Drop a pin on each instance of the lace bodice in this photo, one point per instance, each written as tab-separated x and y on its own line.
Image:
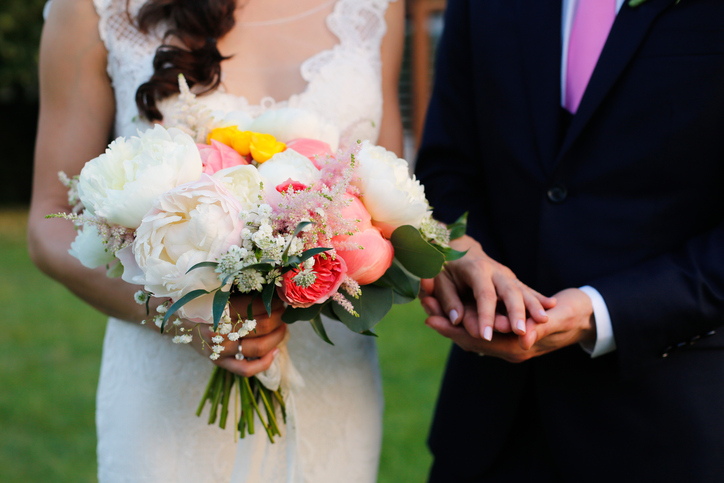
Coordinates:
149	388
343	83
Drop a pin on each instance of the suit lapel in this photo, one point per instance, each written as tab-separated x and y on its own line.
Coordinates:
626	35
540	43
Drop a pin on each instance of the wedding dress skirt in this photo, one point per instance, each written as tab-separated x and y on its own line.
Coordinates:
150	389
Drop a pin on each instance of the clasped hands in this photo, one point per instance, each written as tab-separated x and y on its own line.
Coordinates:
481	306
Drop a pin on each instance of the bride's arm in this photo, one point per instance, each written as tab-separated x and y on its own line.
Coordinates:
76	115
392	49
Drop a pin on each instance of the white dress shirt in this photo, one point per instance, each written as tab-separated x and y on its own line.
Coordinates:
605	341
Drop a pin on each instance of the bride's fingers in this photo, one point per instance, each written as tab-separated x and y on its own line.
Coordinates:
510	292
446	292
246	367
257	347
266	325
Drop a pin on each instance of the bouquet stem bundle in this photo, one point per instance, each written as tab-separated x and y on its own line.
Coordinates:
251	393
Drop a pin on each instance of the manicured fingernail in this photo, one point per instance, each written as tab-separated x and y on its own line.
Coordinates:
521	326
454	316
543	313
276	352
488	333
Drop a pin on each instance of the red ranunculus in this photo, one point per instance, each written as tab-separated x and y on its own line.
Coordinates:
330	275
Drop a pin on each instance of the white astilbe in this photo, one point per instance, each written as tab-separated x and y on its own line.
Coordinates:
73	197
188	114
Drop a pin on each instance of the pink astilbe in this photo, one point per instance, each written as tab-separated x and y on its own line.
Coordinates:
321	203
345	303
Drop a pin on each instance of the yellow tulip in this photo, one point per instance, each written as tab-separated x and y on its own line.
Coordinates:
264	146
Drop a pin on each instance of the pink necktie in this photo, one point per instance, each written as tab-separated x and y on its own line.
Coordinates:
591	26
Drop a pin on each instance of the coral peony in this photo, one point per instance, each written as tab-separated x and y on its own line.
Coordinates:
330	272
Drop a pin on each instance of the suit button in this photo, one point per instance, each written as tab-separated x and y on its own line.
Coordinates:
557	194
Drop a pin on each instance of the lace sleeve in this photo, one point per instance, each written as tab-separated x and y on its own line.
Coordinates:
359	23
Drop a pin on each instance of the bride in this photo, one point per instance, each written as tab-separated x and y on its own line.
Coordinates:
102	73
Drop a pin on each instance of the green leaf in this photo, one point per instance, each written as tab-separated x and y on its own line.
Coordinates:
221	298
372	305
400	280
458	228
194	294
318	327
301	226
307	254
202	265
328	312
369	333
400	299
292	314
449	254
635	3
267	294
414	253
250	307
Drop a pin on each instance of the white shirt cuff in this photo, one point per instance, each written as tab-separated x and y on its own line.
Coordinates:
605	342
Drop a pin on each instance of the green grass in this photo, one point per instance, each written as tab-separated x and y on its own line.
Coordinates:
50	348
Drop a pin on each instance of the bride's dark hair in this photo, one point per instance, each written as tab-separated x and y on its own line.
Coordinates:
197	24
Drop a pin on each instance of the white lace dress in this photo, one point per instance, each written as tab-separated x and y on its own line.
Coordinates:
149	388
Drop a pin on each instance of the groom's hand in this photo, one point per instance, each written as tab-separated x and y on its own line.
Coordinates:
570	322
488	283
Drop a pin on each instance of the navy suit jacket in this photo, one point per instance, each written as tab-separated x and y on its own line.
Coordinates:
628	199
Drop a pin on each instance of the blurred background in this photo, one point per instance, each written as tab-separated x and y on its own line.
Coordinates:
50	342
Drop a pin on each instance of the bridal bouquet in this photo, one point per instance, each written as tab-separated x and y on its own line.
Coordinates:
216	204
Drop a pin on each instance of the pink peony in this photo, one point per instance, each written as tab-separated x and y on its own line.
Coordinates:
315	150
330	275
218	156
367	264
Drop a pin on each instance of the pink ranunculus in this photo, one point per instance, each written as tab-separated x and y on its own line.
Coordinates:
315	150
367	264
330	271
218	156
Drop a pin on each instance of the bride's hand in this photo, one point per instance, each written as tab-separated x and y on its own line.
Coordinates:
491	284
259	347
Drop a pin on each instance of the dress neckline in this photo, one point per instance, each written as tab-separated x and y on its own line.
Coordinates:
269	102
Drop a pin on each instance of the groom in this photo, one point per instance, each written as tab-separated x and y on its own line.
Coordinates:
588	147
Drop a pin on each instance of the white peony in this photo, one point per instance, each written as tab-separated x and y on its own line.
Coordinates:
121	184
287	124
392	197
286	165
88	247
195	222
244	182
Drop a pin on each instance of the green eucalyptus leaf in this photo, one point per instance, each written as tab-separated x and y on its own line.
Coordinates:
221	298
292	314
194	294
372	305
318	327
458	228
400	280
328	312
202	265
400	299
369	333
414	253
452	255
